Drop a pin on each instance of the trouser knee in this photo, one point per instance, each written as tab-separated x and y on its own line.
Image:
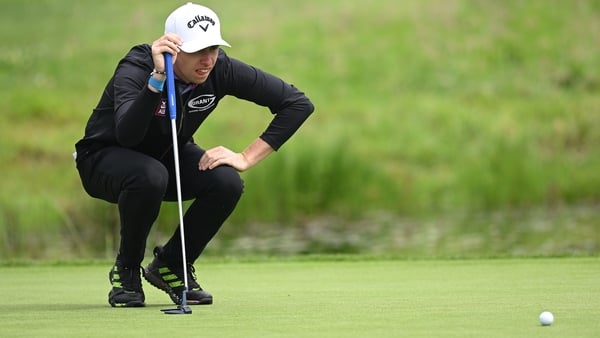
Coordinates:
227	185
152	180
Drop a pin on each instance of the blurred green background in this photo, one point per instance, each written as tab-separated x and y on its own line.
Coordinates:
442	128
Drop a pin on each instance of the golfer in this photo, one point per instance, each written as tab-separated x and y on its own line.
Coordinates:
126	154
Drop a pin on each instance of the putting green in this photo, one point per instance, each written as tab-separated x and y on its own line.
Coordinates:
318	298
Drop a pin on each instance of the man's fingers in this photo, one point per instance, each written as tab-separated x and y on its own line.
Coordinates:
215	157
208	160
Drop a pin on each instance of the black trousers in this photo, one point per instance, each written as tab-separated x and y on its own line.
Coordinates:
139	184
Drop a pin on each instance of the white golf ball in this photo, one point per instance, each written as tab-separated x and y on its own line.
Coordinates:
546	318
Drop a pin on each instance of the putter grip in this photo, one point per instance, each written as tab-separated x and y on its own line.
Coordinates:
170	86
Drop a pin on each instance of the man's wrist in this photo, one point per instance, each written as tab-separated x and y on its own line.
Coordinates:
160	76
157	84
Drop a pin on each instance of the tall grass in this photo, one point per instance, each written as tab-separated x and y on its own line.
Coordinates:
424	110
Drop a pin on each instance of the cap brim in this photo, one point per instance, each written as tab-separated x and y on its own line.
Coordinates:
194	46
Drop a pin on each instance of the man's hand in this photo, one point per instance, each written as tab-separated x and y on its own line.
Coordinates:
243	161
168	43
220	155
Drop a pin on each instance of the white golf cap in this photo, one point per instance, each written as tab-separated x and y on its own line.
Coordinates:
198	26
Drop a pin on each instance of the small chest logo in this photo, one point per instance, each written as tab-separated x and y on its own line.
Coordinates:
201	103
161	110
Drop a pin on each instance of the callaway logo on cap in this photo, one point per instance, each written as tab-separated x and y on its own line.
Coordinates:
198	26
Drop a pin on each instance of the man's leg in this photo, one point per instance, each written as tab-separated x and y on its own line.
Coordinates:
137	184
216	194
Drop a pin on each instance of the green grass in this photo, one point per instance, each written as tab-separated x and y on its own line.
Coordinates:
330	296
424	110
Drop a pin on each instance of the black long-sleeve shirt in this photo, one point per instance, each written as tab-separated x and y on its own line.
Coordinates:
130	115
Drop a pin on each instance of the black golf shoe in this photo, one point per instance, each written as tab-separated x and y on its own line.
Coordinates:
126	287
170	279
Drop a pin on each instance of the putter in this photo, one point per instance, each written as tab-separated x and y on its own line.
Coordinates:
183	308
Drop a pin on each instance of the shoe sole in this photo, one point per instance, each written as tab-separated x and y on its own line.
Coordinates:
133	303
128	304
160	284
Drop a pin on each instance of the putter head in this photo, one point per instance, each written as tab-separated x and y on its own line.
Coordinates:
180	310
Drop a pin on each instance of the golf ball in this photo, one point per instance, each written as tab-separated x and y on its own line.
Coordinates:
546	318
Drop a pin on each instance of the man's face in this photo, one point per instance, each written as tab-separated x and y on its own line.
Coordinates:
195	67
